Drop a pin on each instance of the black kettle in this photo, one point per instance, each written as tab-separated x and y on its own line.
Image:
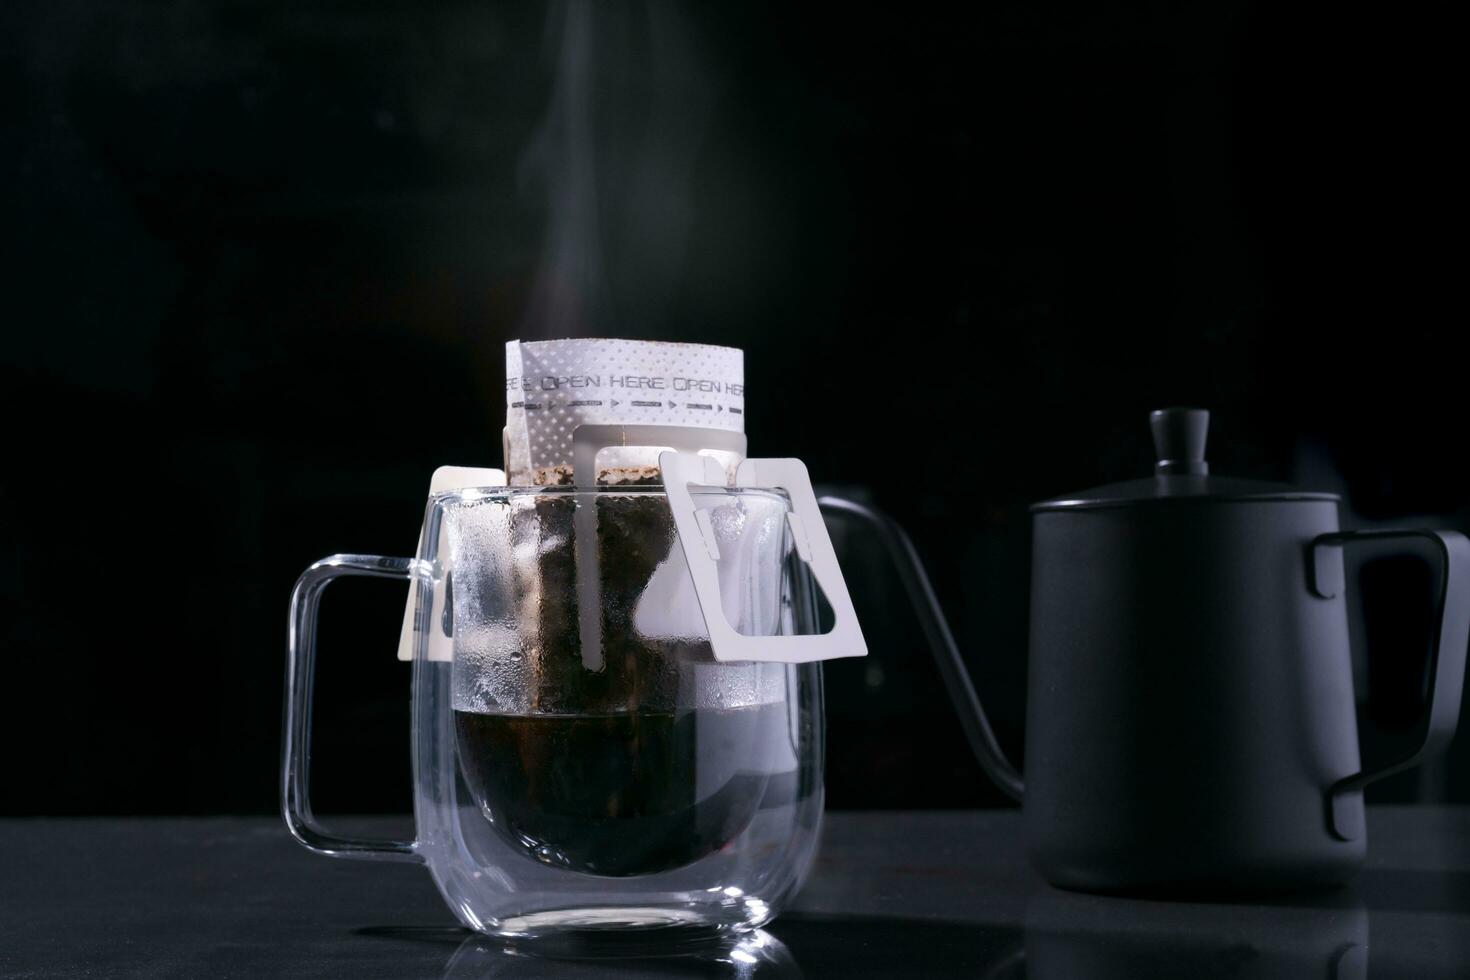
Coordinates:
1190	720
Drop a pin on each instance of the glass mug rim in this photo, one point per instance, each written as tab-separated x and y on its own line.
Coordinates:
477	494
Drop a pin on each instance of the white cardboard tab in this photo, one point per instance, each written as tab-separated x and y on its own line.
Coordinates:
682	470
440	647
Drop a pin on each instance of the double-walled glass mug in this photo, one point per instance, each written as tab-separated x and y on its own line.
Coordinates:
581	759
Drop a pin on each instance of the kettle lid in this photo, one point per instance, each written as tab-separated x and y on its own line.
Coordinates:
1181	472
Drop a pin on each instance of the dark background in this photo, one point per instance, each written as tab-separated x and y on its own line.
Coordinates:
263	259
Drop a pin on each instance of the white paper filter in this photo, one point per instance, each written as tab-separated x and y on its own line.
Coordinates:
554	386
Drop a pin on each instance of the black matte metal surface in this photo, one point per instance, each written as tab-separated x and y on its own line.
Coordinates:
893	894
1191	700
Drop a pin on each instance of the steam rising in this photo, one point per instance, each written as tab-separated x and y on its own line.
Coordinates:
613	161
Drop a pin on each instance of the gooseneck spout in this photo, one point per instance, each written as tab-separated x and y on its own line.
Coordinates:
941	641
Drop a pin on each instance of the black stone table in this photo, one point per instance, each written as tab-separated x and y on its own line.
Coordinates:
892	895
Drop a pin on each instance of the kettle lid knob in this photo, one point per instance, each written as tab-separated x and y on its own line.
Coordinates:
1179	441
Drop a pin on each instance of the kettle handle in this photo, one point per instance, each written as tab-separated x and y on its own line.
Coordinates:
941	641
1446	655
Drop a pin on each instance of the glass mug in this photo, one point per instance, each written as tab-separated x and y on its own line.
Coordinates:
581	761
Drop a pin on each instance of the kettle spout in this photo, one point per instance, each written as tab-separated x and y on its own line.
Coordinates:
940	639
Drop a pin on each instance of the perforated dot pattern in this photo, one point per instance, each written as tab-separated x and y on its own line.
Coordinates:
553	386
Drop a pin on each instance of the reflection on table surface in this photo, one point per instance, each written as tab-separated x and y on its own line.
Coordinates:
1056	935
934	894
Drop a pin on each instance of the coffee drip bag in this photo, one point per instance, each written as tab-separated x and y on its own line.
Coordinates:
594	726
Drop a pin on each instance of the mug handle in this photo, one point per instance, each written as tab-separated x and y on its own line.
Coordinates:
1446	656
296	741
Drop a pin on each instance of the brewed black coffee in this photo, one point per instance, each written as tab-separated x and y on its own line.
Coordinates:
620	794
